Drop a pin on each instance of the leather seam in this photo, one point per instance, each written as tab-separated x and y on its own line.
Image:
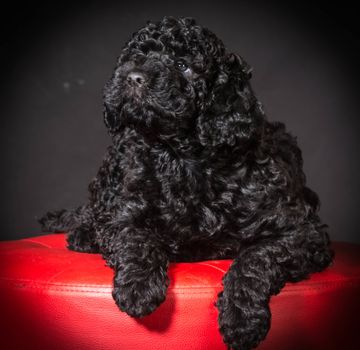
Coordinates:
42	244
19	284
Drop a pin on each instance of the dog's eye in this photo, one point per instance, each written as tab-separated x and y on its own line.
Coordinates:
181	65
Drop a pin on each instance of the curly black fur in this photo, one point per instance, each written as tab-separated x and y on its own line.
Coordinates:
196	171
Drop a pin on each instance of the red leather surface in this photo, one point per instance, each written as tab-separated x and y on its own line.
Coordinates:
52	298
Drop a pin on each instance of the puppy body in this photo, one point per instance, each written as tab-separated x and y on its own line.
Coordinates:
195	172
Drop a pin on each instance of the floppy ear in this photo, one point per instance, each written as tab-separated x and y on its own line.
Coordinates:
231	115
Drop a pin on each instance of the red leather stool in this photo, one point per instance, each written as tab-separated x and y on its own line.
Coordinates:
53	298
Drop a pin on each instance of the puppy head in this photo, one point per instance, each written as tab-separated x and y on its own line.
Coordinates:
175	77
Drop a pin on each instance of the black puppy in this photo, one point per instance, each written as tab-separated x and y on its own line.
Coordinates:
195	172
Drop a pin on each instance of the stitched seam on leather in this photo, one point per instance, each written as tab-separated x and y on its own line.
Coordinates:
323	285
77	287
108	290
214	267
339	280
39	243
92	289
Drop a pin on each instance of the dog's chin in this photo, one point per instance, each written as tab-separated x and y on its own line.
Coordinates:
142	111
138	113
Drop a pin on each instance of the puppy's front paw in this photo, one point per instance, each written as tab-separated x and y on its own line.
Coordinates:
81	240
242	323
140	297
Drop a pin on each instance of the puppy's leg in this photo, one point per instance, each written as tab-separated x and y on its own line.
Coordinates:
62	220
82	239
260	271
140	266
78	223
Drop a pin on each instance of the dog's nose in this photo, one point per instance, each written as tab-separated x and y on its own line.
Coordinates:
136	78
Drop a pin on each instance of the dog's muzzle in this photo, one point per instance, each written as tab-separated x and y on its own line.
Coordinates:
136	79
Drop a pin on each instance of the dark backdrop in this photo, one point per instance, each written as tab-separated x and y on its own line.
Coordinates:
55	58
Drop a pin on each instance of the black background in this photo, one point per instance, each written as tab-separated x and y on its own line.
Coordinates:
56	57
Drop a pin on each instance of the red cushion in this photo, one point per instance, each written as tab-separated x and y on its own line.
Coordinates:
53	298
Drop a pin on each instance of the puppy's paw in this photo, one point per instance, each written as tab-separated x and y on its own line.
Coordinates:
242	323
140	297
80	240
